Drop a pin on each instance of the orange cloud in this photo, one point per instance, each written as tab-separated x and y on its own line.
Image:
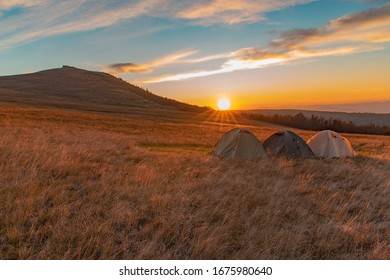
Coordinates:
147	67
234	11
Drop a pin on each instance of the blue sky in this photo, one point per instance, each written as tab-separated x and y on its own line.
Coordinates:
280	53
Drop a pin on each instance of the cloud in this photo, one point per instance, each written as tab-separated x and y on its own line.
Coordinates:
40	19
241	61
54	17
353	33
147	67
183	57
6	5
9	4
206	58
229	66
234	11
370	26
129	67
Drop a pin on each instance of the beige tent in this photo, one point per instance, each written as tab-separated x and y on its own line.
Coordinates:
329	144
288	144
239	143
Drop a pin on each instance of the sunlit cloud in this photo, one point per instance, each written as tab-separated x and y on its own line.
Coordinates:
6	5
247	64
9	4
350	34
52	17
206	58
229	66
41	19
234	11
147	67
369	26
184	57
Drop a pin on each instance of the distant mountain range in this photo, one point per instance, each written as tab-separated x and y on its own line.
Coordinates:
357	118
379	107
73	88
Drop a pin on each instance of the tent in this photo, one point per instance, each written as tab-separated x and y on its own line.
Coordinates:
329	144
288	144
239	143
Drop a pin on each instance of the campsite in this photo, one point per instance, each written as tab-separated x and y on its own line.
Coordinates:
234	131
84	185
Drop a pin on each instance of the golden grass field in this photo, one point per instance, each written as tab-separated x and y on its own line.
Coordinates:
79	185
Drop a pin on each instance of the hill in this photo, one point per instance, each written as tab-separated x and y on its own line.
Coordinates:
73	88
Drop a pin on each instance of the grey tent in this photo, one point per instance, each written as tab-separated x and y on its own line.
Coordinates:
288	144
239	143
329	144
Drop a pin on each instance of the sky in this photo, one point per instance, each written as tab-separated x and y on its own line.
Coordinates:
258	54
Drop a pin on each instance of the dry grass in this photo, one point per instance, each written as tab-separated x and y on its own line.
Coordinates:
83	186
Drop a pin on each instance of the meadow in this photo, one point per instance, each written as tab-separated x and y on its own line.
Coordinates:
77	185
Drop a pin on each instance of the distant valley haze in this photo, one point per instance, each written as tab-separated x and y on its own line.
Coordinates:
378	107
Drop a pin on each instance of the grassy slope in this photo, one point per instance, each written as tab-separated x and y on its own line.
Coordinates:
73	88
85	186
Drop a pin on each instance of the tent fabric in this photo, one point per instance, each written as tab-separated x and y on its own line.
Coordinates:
239	143
288	144
330	144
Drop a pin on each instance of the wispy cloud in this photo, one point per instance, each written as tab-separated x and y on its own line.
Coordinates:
234	11
42	19
46	18
147	67
9	4
229	66
369	26
206	58
183	57
6	5
353	33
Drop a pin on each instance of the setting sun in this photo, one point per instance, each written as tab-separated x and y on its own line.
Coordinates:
223	104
